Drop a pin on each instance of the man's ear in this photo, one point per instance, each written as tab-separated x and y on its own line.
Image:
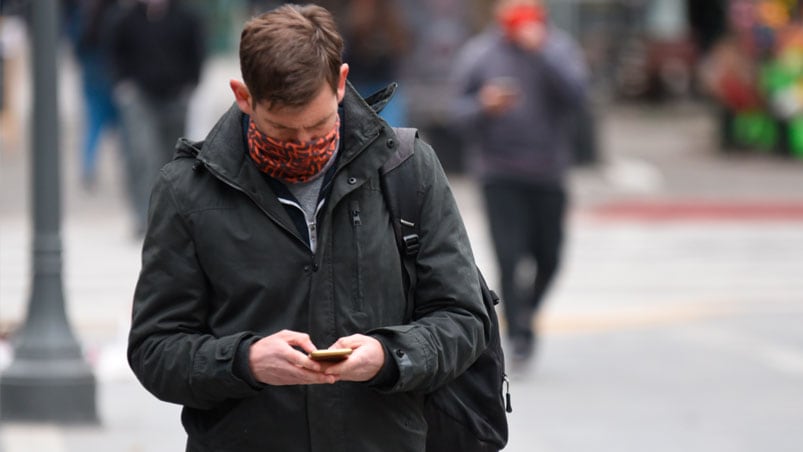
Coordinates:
242	96
341	84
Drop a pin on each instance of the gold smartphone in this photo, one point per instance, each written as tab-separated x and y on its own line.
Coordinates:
330	355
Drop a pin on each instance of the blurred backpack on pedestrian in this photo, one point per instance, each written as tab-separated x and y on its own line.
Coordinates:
468	414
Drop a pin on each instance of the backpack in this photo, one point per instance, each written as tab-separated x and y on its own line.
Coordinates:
469	413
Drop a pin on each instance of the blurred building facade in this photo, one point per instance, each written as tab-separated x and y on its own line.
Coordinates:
637	51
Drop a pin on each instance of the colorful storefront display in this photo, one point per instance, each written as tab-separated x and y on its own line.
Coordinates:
756	73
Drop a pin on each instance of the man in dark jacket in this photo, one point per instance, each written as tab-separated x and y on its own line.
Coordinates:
270	239
520	85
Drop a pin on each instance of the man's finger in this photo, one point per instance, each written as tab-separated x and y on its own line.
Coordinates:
309	377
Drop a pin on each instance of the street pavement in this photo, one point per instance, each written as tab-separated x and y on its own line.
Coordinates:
674	324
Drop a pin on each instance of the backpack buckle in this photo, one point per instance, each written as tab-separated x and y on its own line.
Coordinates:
411	244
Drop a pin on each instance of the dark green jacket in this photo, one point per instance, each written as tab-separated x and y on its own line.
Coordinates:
223	263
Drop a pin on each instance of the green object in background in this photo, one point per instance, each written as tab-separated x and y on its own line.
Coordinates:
796	136
782	71
222	22
755	129
776	76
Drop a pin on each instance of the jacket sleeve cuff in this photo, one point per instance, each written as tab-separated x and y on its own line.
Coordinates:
241	367
388	375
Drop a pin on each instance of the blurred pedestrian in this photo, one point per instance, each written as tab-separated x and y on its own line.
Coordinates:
271	238
156	52
520	84
12	45
86	23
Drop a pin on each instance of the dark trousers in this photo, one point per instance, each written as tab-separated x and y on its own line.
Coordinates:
150	128
525	221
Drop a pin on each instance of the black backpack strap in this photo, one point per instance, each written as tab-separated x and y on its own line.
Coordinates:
399	187
470	403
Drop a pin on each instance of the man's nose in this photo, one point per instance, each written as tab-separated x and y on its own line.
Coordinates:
304	136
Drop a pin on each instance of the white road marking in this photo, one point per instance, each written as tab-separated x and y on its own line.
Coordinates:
29	438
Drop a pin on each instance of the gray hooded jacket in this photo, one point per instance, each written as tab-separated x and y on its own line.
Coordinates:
532	141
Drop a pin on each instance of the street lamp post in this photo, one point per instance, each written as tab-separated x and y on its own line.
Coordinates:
48	380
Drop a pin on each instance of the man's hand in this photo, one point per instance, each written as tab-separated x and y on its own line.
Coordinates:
275	361
499	95
366	359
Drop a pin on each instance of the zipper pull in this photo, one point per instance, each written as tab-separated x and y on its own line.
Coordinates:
508	407
355	214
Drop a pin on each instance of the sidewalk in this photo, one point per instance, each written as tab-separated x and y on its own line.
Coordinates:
657	334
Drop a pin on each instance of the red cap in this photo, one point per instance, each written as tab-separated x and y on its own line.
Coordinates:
515	16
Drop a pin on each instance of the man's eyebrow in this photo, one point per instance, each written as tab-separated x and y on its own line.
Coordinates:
276	124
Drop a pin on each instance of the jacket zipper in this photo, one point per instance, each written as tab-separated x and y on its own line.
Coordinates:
355	214
312	226
248	195
356	223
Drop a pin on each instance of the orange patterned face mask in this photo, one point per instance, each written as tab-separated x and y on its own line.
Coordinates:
291	161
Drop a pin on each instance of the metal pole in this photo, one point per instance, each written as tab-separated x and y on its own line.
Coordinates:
48	380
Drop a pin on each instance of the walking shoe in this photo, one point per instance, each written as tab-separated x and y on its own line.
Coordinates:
523	348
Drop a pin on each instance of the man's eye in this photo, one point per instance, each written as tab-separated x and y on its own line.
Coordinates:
320	131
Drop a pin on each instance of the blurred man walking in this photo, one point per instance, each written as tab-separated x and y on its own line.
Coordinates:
519	85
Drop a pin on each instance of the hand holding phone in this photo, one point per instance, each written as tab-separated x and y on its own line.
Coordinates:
499	94
330	355
363	363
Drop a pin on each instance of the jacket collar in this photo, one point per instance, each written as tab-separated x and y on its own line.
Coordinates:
223	152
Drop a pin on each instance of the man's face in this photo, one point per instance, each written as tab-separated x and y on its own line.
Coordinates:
304	123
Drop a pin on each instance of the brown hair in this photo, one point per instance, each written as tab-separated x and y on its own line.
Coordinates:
286	53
